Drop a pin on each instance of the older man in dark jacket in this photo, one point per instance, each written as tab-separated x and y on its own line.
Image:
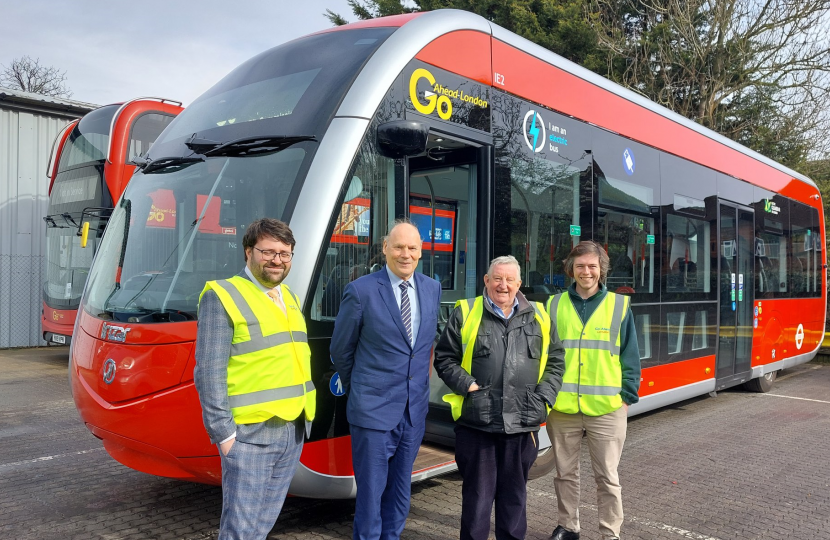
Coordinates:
500	356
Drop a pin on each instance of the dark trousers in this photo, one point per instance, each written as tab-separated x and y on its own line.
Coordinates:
383	472
494	468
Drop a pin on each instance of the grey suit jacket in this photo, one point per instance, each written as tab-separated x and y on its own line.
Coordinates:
213	348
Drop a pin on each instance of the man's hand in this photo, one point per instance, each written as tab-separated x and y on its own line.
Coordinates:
473	387
226	446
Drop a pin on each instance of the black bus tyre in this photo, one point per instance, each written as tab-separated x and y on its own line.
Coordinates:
762	384
543	464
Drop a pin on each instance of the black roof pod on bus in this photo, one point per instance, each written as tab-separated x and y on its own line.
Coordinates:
402	138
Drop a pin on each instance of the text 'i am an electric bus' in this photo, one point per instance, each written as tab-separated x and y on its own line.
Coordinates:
492	146
88	171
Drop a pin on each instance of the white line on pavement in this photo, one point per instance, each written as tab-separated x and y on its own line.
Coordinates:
668	528
48	458
648	523
799	398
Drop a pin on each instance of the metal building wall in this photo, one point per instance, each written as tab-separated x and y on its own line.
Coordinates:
25	143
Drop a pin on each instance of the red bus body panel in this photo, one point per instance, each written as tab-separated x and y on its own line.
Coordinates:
58	321
149	417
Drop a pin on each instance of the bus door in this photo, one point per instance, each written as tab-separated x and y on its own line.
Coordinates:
448	201
736	240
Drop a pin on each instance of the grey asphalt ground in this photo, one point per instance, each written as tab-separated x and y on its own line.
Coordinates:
737	466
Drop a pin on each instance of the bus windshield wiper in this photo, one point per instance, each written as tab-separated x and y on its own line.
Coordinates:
200	146
163	163
67	217
263	144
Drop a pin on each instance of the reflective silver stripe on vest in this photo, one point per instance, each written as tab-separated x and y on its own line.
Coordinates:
258	342
554	307
595	344
616	323
591	390
470	302
274	394
266	342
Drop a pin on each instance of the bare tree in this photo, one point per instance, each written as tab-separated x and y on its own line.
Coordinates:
28	75
757	71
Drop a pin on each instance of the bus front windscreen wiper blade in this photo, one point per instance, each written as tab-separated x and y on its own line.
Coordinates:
165	162
253	146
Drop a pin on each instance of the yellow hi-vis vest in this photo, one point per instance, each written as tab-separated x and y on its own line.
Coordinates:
472	309
269	370
593	372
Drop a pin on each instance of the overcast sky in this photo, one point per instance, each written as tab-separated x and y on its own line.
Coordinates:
116	50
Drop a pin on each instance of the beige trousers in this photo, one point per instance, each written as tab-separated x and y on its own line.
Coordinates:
606	436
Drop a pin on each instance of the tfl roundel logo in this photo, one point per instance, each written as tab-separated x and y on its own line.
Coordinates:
534	130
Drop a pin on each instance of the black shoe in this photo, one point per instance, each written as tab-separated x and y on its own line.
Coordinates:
561	533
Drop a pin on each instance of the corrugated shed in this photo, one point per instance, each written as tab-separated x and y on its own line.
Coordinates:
51	106
25	143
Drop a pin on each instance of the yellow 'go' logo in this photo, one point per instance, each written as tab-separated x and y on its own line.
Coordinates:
443	103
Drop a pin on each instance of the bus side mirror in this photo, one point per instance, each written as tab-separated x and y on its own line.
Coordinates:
402	138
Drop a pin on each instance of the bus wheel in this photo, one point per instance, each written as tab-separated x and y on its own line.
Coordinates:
543	464
762	384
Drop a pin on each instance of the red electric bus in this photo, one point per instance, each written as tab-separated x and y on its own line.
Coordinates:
88	171
493	146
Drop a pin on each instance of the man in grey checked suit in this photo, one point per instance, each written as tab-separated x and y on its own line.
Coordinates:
258	458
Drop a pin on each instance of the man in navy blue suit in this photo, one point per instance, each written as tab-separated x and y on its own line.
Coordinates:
381	347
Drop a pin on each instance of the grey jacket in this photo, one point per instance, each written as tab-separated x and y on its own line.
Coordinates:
213	349
505	365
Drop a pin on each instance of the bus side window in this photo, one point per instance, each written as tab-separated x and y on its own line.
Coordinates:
645	321
144	131
686	331
803	257
627	189
772	215
542	209
689	265
362	219
629	241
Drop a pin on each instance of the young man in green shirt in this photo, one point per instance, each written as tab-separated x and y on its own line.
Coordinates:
602	378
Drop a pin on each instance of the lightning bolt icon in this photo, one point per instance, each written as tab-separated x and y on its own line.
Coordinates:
535	131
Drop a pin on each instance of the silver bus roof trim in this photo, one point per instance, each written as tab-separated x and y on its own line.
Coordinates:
374	80
318	198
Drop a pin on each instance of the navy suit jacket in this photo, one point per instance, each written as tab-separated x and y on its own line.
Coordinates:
379	368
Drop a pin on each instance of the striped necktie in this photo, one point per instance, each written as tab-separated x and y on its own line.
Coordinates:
406	310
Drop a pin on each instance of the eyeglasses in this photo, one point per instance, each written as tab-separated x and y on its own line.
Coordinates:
270	254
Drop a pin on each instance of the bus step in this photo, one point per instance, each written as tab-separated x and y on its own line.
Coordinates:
433	460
